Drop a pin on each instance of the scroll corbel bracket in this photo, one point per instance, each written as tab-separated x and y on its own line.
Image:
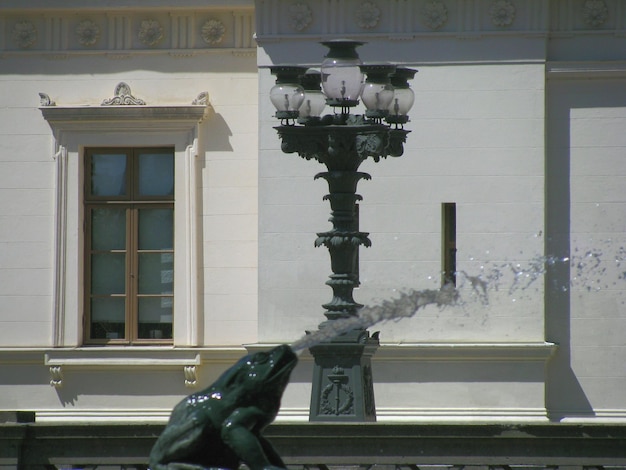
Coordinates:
56	376
191	376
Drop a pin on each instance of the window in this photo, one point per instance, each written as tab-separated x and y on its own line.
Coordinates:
129	244
448	213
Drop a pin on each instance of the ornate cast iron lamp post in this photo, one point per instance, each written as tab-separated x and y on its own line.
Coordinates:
342	378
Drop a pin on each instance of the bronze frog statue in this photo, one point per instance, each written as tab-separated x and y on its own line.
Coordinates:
220	426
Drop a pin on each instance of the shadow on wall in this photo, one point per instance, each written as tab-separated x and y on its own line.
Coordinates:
565	395
215	134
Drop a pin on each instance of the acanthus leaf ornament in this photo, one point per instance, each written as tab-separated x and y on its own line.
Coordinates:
123	97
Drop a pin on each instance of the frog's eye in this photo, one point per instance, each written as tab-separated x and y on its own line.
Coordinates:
261	358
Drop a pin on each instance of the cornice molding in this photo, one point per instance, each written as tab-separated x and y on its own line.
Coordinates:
433	18
62	33
585	70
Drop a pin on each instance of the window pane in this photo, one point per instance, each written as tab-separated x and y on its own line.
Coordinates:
107	273
155	317
108	174
108	229
156	229
156	174
107	318
156	273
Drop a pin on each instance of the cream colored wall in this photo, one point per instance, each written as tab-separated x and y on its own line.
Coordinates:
586	147
228	180
123	384
483	133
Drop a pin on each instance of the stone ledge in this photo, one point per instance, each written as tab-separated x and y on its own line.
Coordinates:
317	444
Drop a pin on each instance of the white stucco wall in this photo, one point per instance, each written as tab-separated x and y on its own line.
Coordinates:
116	383
483	136
519	124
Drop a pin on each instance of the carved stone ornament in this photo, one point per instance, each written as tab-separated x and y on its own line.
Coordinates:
434	14
202	99
191	376
212	31
300	16
368	15
595	13
24	34
44	100
337	396
123	96
150	32
56	376
502	13
87	32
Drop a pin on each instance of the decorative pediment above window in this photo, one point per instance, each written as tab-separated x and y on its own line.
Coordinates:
125	111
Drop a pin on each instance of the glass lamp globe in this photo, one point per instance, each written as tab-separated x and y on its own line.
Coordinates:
314	100
342	79
377	92
287	95
403	98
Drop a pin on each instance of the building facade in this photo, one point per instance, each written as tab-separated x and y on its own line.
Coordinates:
152	231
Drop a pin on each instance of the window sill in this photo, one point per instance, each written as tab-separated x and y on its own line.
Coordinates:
59	360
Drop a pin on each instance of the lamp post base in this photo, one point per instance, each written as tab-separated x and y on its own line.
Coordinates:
343	389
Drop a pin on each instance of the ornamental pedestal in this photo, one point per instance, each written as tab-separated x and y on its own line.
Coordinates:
343	389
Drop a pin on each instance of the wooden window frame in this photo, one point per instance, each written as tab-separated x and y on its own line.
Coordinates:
132	202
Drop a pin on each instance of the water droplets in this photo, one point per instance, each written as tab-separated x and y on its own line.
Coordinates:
582	270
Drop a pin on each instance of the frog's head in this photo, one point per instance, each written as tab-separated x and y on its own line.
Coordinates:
263	370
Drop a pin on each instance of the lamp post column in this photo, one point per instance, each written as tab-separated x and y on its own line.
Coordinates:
342	388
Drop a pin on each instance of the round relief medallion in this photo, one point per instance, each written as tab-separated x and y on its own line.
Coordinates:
434	14
595	13
368	15
24	34
87	32
300	16
502	13
212	31
150	32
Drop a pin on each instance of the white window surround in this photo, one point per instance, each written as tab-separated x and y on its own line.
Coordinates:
78	127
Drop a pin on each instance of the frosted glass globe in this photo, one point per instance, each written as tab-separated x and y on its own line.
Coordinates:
287	97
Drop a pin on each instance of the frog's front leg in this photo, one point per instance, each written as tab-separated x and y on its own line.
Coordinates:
238	433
